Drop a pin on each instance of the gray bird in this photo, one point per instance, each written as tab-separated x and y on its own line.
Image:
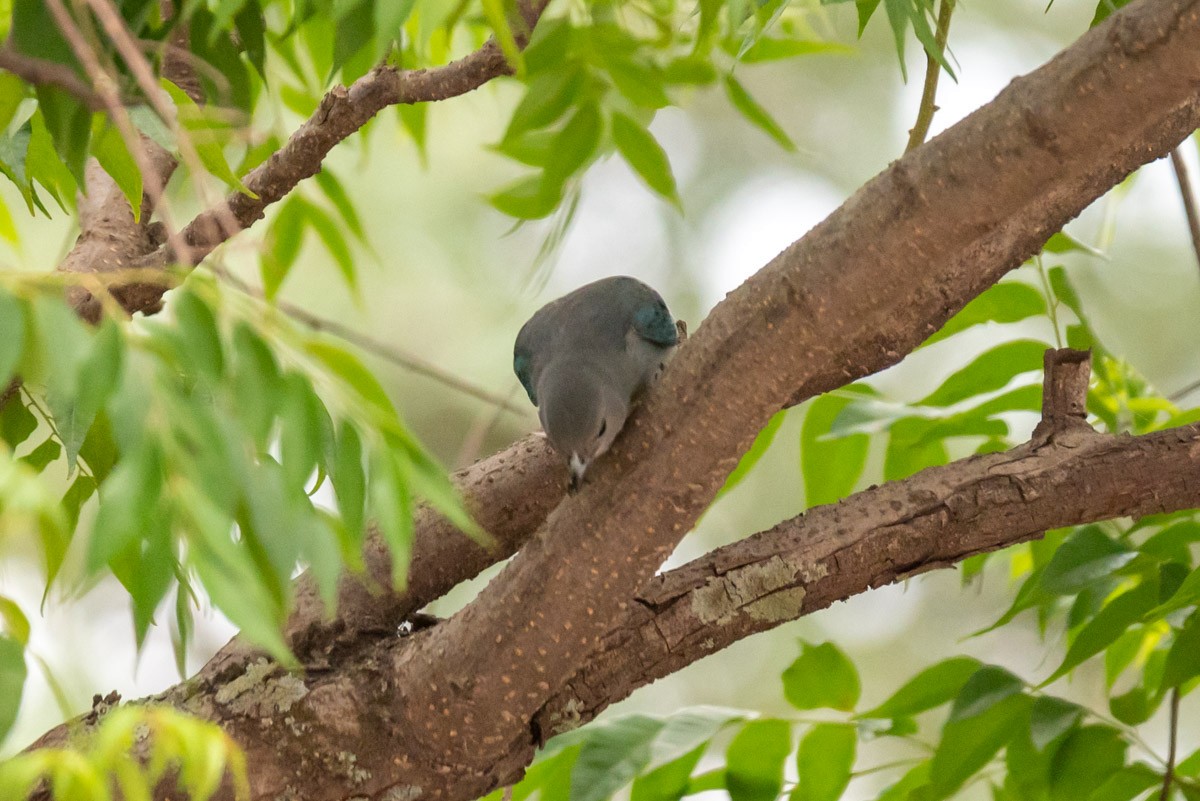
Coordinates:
585	357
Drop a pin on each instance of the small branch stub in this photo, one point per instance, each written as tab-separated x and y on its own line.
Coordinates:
1064	392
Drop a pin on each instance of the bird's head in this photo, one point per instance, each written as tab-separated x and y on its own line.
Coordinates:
581	414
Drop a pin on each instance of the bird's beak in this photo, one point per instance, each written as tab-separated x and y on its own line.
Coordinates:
577	468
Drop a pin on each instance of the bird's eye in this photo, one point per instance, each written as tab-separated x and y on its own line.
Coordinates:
603	428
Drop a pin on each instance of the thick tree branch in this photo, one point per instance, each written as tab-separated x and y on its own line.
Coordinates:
1066	475
870	278
450	712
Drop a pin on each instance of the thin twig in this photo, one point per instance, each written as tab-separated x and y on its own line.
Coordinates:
1173	735
105	87
127	46
933	70
388	353
1189	199
41	72
1193	221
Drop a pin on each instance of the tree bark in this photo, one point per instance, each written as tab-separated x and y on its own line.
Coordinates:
455	710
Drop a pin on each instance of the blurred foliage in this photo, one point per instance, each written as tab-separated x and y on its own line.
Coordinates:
183	453
132	750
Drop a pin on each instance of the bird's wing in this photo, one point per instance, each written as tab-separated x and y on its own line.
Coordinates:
653	323
523	367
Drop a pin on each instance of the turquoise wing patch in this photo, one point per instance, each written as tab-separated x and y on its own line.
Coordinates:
654	323
523	366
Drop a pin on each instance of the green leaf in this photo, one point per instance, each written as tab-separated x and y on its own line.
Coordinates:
227	81
1087	556
911	449
391	504
1062	242
686	730
42	455
898	18
1086	759
69	124
201	335
931	687
35	33
248	22
1127	783
415	119
641	84
353	31
573	146
667	782
354	375
916	777
349	483
1050	718
760	446
917	14
204	136
1134	707
1008	302
256	383
831	466
98	375
528	199
109	149
12	681
16	625
969	743
824	762
767	48
822	676
497	13
283	244
333	189
125	501
230	576
989	371
390	16
17	422
1105	8
1183	660
756	114
612	756
43	163
754	760
989	686
689	71
644	155
12	92
328	231
547	98
1110	623
12	340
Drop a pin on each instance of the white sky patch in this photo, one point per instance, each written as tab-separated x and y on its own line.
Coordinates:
618	230
760	218
987	60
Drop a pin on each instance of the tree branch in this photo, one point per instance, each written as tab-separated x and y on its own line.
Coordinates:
41	72
1188	195
341	113
450	712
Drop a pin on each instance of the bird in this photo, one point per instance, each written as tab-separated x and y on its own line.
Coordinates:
585	358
